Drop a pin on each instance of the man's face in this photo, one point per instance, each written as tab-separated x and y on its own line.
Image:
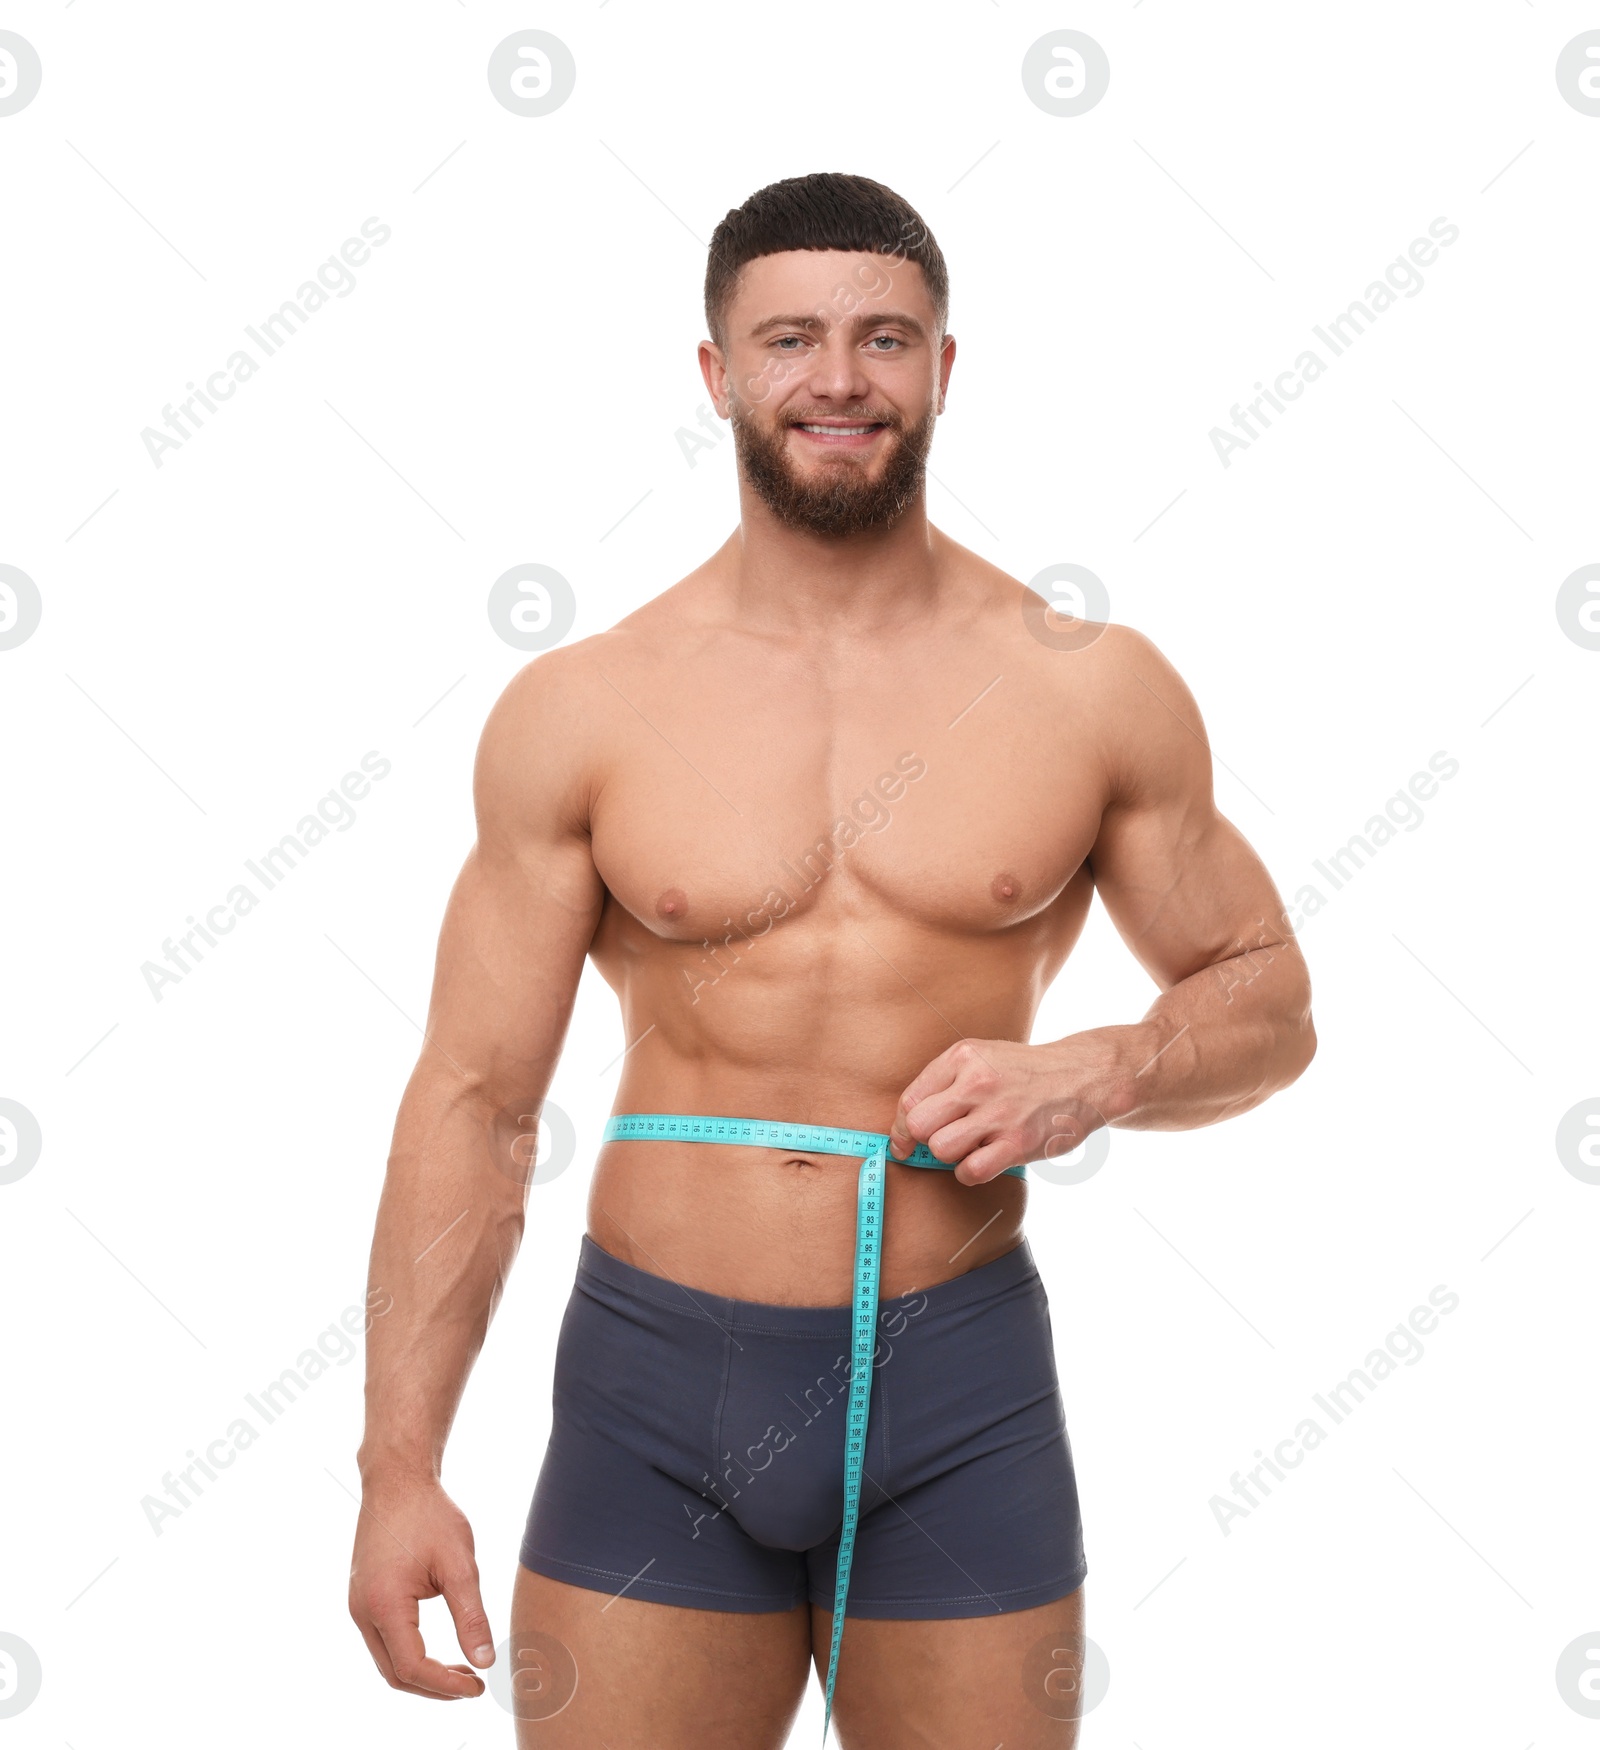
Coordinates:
833	375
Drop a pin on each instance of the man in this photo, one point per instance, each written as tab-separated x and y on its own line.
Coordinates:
828	815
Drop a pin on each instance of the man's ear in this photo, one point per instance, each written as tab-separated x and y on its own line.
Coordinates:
714	369
947	358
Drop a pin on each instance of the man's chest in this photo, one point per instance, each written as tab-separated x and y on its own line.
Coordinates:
738	818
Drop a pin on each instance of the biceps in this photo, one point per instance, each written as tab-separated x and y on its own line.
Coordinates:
1184	888
511	953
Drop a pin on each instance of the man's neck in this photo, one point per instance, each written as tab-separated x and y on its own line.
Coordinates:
779	579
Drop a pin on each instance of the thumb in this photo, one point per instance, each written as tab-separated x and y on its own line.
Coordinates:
468	1614
901	1141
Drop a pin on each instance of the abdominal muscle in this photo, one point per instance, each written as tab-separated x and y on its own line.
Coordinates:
779	1225
765	1225
825	1021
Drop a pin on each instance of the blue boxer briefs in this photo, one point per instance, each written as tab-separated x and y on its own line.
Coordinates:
694	1449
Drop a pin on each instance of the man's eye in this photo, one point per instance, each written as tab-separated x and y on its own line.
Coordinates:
784	339
888	337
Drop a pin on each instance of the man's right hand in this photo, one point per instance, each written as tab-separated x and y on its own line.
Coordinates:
413	1542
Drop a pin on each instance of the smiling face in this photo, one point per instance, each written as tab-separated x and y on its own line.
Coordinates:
832	372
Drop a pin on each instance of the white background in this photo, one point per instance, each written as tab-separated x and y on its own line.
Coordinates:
223	637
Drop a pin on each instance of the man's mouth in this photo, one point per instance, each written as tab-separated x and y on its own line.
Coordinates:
840	433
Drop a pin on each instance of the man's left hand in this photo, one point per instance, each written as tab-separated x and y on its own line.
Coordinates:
989	1104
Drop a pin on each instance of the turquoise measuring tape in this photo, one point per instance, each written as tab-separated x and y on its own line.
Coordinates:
873	1149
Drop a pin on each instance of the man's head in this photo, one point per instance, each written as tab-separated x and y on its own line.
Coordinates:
827	299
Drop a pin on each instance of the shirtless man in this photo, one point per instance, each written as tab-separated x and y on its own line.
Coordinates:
828	815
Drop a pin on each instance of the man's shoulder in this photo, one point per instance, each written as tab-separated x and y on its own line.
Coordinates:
1120	666
1066	640
564	705
1116	693
579	675
647	632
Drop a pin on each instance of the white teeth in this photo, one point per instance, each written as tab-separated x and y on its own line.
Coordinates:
840	430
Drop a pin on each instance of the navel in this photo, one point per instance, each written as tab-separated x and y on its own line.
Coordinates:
674	903
1006	888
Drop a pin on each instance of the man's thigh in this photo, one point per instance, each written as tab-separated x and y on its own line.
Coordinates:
650	1674
965	1684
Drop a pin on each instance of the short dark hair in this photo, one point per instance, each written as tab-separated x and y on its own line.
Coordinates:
826	210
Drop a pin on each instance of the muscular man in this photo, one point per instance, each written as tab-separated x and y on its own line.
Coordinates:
828	815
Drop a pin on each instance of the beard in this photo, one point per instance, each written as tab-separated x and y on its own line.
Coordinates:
838	497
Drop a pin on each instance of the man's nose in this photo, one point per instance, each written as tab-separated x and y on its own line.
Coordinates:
836	371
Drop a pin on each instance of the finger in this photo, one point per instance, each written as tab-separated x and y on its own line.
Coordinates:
938	1074
969	1131
988	1162
380	1658
935	1109
901	1141
949	1124
467	1612
396	1621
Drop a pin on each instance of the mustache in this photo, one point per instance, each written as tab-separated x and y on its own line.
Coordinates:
864	416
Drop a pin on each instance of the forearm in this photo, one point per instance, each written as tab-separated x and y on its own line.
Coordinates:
1210	1047
448	1227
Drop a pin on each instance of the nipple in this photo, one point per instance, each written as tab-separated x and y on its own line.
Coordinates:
674	903
1005	887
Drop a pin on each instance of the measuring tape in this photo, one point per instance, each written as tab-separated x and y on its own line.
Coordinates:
873	1149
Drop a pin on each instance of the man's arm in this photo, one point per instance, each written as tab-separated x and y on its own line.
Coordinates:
518	925
1200	913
